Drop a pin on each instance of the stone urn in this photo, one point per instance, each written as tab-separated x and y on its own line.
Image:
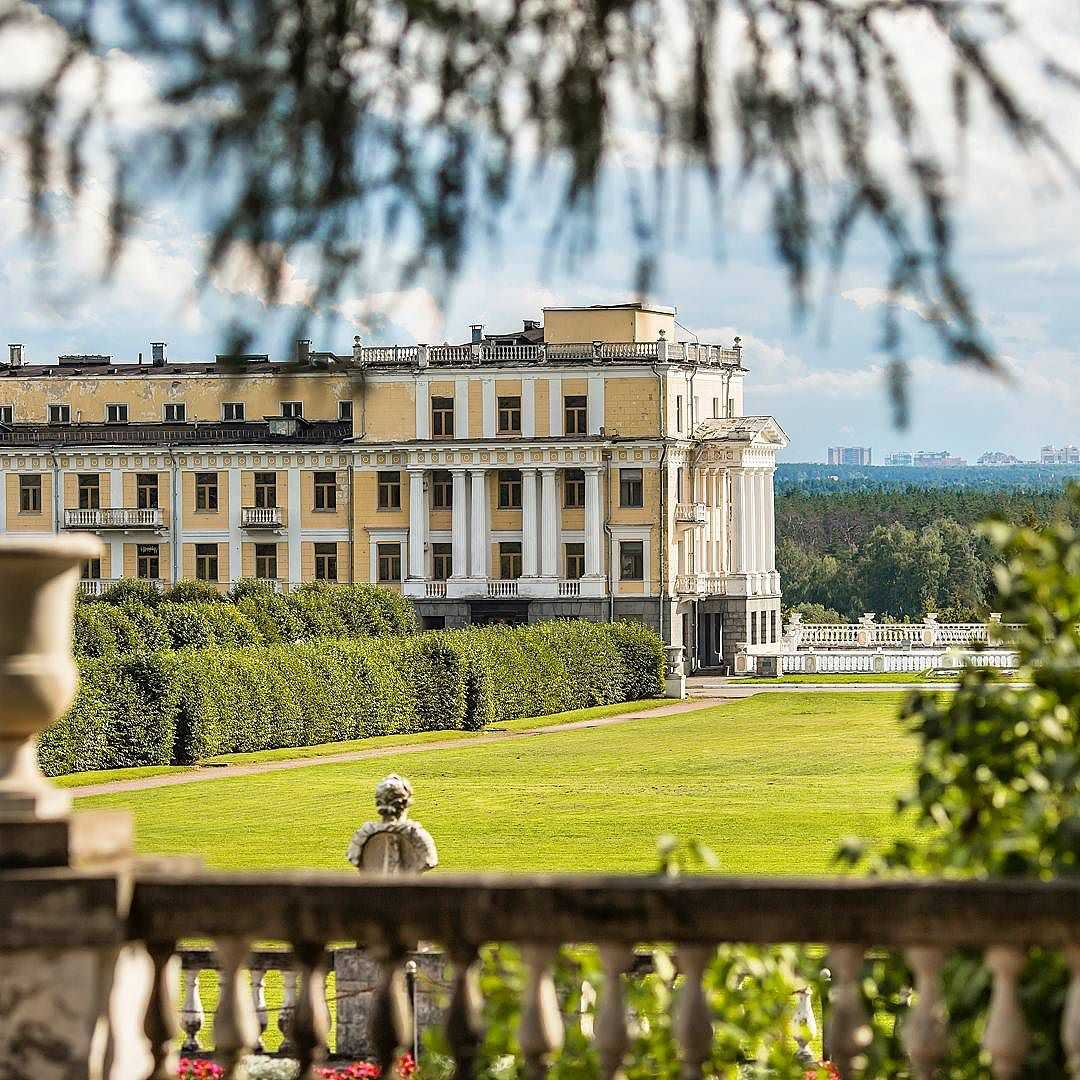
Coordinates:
38	677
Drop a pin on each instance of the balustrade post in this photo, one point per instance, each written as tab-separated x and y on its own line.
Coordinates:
540	1030
285	1013
925	1033
236	1028
258	1003
463	1025
1070	1020
160	1025
1006	1036
612	1036
192	1015
391	1015
848	1033
310	1021
693	1018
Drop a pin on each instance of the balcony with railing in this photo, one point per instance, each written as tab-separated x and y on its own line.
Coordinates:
261	517
691	513
702	584
115	518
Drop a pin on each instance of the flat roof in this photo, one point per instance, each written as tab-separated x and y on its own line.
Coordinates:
631	305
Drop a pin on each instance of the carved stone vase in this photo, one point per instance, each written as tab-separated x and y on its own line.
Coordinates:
38	677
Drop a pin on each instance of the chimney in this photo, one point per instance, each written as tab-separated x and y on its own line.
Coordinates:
477	333
15	355
531	324
157	353
303	351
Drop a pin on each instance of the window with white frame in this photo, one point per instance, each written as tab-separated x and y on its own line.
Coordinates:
116	414
232	410
174	412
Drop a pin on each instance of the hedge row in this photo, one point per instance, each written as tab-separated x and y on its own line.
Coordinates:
182	706
132	618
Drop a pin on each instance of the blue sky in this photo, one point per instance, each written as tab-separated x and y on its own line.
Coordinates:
1019	249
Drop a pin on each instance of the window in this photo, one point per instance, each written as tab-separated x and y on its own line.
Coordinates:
325	491
206	562
344	410
442	561
509	416
116	414
730	407
59	414
574	489
146	491
206	492
326	562
175	412
753	628
266	561
630	488
292	410
510	560
575	561
442	490
388	557
30	494
442	417
232	410
89	491
91	570
716	408
148	561
576	413
7	414
678	412
389	490
509	489
265	490
632	560
680	483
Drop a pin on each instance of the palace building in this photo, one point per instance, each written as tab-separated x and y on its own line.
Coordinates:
592	465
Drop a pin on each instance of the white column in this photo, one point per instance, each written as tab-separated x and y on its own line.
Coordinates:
236	534
529	530
762	523
293	529
549	517
595	414
116	501
555	406
461	409
706	534
723	563
742	535
490	409
753	506
423	407
460	526
528	408
593	519
417	523
770	522
478	480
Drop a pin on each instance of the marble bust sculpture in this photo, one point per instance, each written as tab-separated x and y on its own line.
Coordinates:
393	844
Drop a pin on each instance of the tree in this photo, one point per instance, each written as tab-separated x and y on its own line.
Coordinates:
902	571
385	134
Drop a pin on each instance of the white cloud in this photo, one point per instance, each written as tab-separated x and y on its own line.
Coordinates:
869	297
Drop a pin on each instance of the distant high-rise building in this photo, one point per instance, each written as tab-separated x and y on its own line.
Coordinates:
851	455
900	457
1060	455
925	459
998	457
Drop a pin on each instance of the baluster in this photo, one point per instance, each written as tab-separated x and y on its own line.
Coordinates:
463	1028
285	1013
235	1025
925	1033
161	1025
391	1026
192	1014
693	1018
1070	1020
849	1031
258	1003
612	1036
1005	1038
804	1025
540	1030
310	1020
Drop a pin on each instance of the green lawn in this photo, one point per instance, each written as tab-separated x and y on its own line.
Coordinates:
771	783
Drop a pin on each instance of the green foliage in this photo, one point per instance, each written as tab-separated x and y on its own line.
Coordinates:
188	591
132	591
816	613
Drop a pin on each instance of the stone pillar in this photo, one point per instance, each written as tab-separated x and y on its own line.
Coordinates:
479	524
593	523
418	520
708	486
549	517
529	531
755	563
460	536
742	522
770	521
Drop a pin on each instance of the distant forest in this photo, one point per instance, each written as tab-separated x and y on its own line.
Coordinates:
899	550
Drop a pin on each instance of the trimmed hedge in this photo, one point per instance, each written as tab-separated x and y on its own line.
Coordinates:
182	706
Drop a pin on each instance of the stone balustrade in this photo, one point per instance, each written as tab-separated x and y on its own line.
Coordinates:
867	633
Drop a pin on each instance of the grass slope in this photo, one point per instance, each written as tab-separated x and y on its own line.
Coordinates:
771	783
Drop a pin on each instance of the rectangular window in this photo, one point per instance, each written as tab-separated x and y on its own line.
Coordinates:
680	483
442	489
678	412
266	561
442	561
265	490
575	561
509	416
206	562
576	414
146	491
753	628
116	414
389	490
89	491
325	491
174	412
574	489
91	570
7	414
509	489
772	626
30	493
344	409
730	407
326	562
442	417
388	557
232	410
632	560
206	492
148	561
631	493
510	560
59	414
292	410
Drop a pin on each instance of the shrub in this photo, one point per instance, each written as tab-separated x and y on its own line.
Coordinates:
132	591
188	591
201	625
643	660
103	630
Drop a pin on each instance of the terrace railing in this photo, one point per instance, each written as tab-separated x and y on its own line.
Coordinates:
867	633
